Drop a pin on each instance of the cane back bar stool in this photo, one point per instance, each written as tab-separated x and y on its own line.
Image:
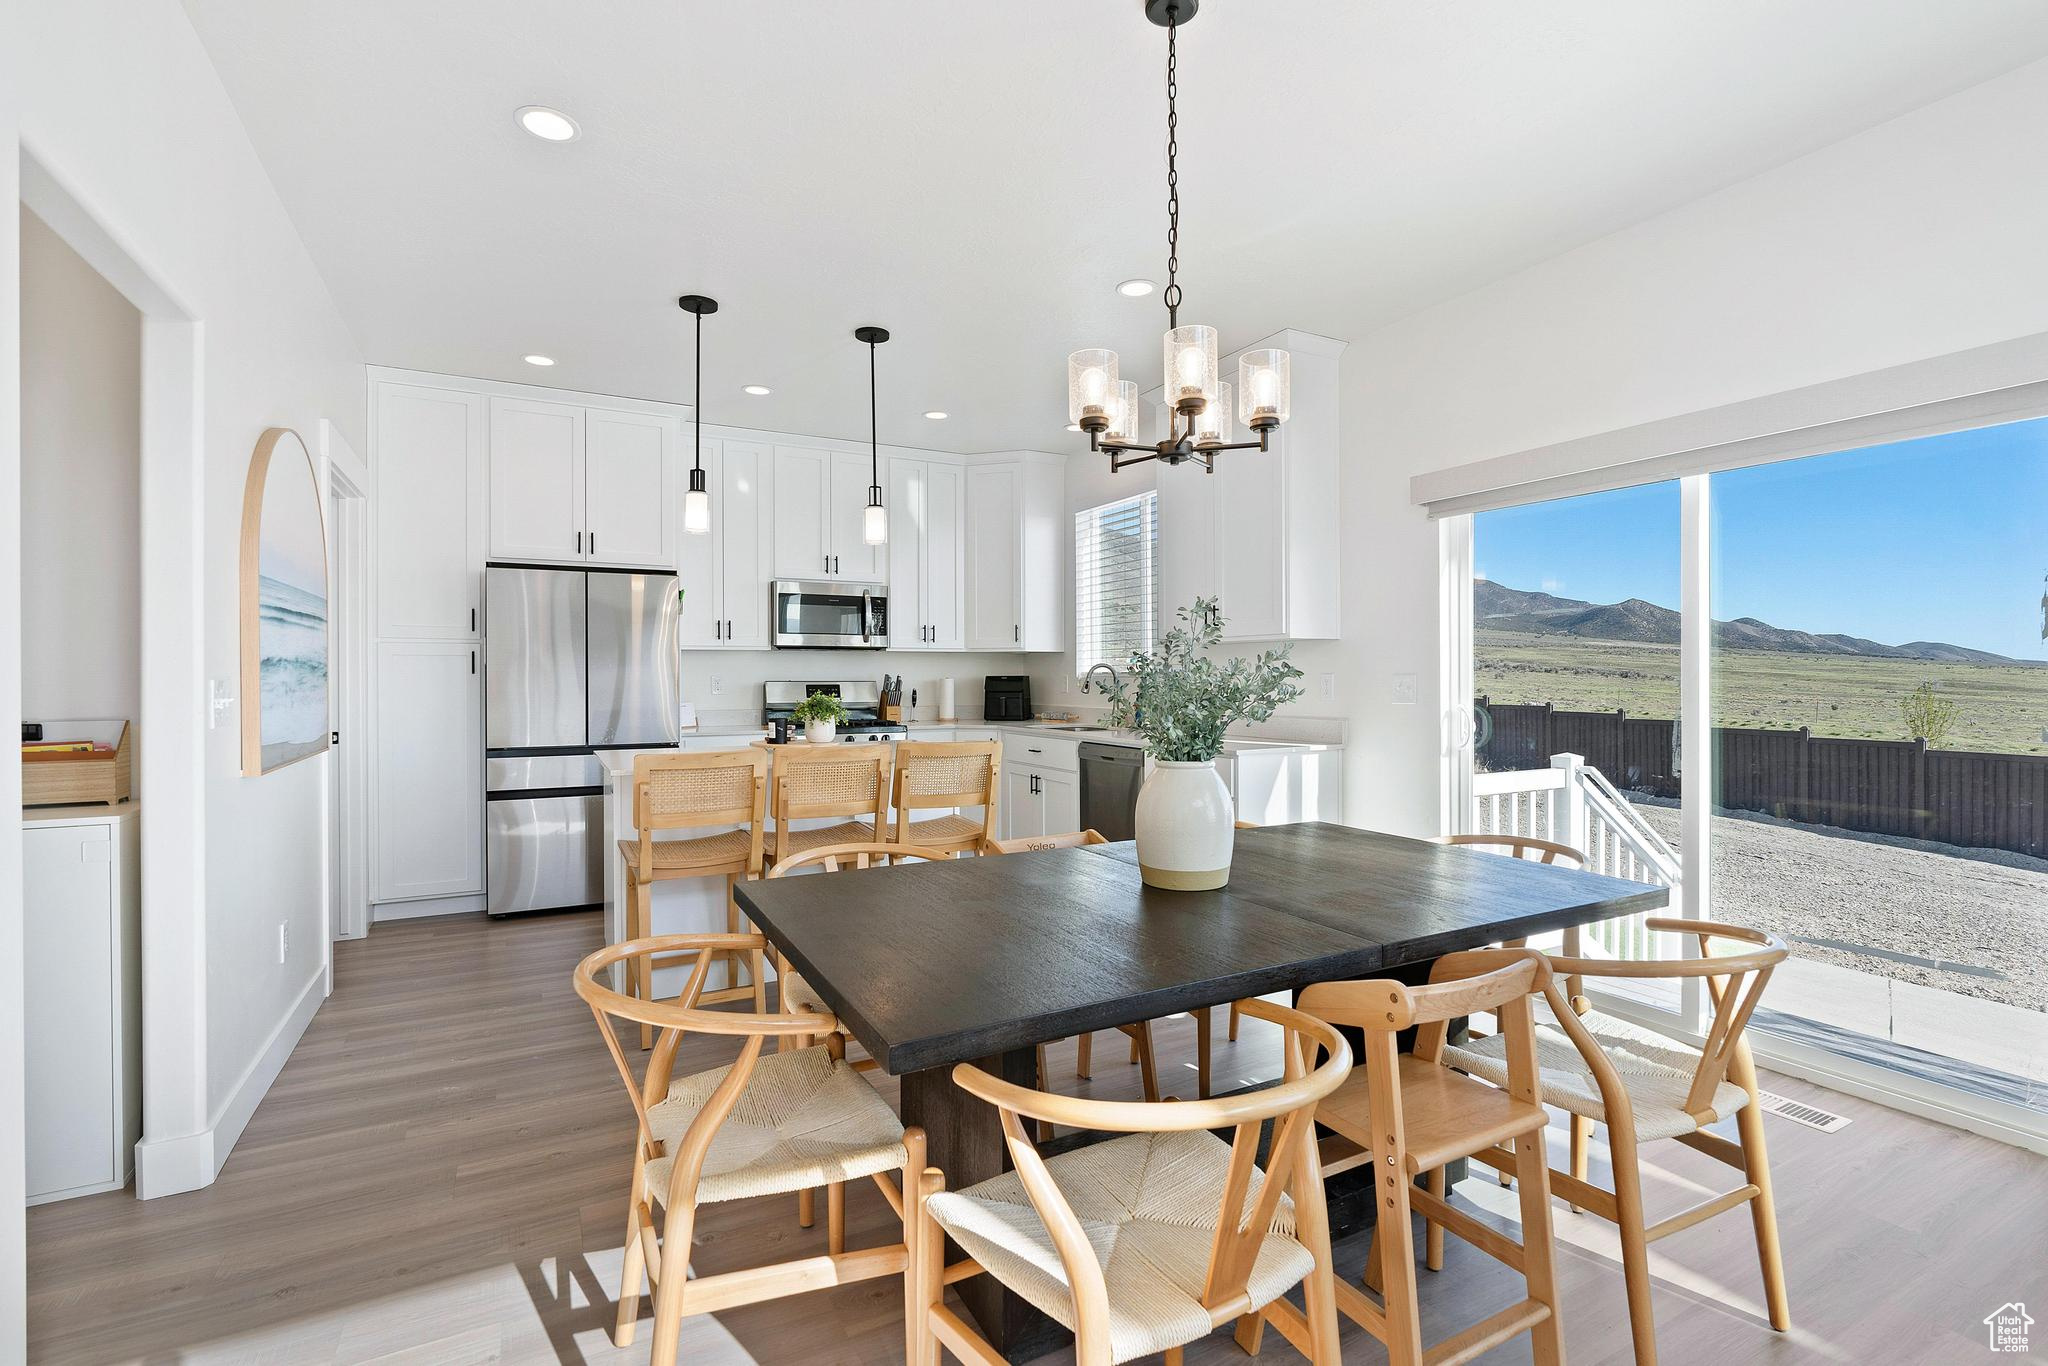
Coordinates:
767	1124
1644	1086
941	775
673	791
1409	1114
810	782
1144	1243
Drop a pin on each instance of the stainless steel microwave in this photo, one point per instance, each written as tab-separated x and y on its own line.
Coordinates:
829	615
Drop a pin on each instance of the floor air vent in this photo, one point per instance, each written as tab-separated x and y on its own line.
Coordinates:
1799	1112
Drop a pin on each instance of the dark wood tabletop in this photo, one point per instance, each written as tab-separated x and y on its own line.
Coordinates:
931	964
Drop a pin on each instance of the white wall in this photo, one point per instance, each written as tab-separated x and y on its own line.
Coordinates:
1915	239
120	105
81	448
13	1259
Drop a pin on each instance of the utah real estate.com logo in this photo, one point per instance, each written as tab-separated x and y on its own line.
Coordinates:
2006	1327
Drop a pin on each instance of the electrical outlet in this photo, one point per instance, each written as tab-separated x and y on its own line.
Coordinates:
1328	684
284	940
717	685
1066	685
1404	690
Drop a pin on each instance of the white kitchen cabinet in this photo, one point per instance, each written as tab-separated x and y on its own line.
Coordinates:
81	999
926	582
1014	557
725	570
1261	534
573	484
820	498
631	508
1038	801
430	770
429	458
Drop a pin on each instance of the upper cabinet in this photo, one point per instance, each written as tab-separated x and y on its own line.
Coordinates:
572	484
1261	534
1015	573
820	496
429	454
725	571
927	581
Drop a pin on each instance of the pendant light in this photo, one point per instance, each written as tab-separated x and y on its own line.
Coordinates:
874	523
697	502
1198	402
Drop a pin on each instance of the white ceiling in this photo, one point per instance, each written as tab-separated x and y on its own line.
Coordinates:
977	177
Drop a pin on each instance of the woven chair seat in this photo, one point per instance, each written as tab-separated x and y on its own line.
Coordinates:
1657	1072
703	851
805	1120
1148	1204
783	843
797	994
939	830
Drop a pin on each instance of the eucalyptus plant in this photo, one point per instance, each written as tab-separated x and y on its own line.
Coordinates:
1182	701
819	706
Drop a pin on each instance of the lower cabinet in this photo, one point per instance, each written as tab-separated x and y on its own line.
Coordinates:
1039	801
430	770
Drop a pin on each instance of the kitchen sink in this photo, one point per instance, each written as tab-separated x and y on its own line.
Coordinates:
1090	730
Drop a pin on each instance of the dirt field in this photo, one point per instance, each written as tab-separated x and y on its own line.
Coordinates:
1914	905
2003	708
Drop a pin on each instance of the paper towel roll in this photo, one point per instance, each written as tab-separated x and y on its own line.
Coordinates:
947	711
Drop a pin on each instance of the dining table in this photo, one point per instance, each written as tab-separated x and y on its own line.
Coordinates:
980	960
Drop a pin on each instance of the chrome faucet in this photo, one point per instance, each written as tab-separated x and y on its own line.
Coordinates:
1089	677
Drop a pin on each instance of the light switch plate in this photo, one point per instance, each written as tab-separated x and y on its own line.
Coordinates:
1328	684
1404	690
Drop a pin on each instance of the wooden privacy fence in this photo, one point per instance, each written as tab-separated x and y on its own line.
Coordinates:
1885	787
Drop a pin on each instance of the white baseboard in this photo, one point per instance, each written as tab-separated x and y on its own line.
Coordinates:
419	910
188	1162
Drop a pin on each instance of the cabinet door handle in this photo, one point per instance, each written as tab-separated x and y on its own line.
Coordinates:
1017	634
579	543
472	621
718	630
472	663
828	564
593	542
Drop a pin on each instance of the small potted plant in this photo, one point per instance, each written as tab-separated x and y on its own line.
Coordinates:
821	714
1182	702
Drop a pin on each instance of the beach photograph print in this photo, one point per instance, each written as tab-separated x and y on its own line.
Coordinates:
284	607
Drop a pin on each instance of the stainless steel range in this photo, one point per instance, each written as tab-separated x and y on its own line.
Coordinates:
861	698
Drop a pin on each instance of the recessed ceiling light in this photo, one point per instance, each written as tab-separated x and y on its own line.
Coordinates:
936	416
540	360
757	390
1136	289
550	125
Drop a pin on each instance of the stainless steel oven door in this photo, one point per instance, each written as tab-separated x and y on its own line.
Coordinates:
826	615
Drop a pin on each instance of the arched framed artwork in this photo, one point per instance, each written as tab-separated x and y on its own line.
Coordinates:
283	607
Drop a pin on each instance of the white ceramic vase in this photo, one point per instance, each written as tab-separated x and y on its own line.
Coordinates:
820	732
1185	829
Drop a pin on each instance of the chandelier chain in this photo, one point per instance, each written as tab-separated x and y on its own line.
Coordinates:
1172	168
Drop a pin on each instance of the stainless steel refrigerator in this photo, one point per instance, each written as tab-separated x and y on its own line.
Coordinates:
574	661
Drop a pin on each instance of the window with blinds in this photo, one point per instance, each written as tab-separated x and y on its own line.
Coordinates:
1115	576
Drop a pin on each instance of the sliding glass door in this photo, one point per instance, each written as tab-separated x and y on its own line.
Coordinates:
1863	641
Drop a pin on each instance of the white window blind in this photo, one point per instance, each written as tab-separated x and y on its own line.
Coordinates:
1115	576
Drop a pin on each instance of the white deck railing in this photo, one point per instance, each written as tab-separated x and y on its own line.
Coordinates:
1573	804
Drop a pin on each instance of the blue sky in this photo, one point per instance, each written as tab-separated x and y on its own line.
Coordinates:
1941	538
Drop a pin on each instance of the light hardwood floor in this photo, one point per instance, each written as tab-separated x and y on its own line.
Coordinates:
439	1176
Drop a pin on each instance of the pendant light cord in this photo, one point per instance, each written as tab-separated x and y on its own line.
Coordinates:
697	402
1172	295
874	441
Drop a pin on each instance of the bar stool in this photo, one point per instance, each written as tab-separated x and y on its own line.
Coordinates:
945	774
813	782
674	791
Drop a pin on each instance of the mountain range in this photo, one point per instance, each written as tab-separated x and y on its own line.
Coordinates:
1496	607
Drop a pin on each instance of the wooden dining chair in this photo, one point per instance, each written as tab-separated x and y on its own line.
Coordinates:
1644	1086
673	791
1140	1034
942	775
811	782
767	1124
1146	1242
1409	1115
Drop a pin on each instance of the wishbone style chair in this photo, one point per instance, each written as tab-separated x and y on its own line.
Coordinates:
1644	1086
1409	1115
767	1124
1143	1243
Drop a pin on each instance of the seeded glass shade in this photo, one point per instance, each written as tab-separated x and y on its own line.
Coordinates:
1212	424
697	512
1190	365
1123	412
874	524
1263	388
1091	384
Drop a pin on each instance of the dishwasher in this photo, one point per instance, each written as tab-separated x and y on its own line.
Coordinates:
1110	778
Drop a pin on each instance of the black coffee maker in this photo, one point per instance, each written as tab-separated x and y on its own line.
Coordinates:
1006	697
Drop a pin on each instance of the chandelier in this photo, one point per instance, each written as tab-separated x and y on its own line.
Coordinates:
1198	403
